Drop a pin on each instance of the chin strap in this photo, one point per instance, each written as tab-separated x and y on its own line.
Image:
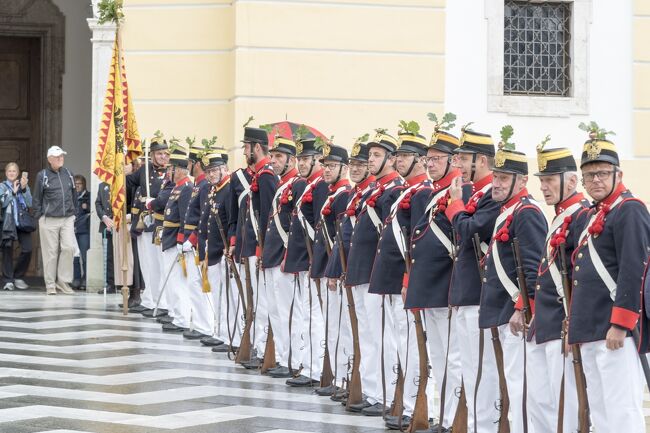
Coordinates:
512	188
311	168
561	188
383	164
408	173
339	175
473	172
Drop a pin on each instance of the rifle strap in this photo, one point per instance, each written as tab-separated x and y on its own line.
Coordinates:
524	405
560	410
338	332
443	387
311	342
293	300
231	333
383	361
479	372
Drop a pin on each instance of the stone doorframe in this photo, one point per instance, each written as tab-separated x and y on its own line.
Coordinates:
42	19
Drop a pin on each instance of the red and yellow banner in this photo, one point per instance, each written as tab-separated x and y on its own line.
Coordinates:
119	141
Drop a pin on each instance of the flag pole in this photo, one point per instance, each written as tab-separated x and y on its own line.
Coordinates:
124	238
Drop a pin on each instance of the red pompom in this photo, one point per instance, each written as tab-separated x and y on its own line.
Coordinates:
371	203
560	240
567	220
509	218
405	205
255	188
307	198
327	211
553	242
505	237
350	212
284	200
470	209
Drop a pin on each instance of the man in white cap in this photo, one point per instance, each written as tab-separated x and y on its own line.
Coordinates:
55	201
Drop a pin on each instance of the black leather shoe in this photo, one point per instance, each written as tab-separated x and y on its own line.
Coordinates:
435	428
223	348
301	381
137	309
359	406
253	364
211	341
149	313
170	327
339	395
326	391
394	424
279	372
193	335
164	319
376	409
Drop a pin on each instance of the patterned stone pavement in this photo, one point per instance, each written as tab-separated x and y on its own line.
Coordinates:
76	364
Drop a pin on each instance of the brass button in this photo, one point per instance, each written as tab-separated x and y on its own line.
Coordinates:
544	260
485	280
412	260
580	255
577	268
539	287
417	232
413	246
575	282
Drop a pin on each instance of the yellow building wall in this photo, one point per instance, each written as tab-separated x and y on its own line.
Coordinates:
344	67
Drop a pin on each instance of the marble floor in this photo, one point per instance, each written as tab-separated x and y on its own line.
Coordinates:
76	364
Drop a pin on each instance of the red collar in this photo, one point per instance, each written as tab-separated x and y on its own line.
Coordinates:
479	184
364	183
199	178
288	176
445	181
315	175
224	180
260	164
339	184
613	196
183	181
249	171
515	199
575	198
416	180
384	180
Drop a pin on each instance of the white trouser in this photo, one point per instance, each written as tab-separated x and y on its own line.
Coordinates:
615	385
368	309
339	332
538	402
288	301
202	310
437	328
178	290
164	267
552	365
312	353
279	288
260	312
273	314
399	325
173	273
150	267
228	307
467	336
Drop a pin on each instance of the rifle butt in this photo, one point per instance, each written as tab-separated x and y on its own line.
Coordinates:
326	377
460	419
398	401
581	385
355	395
420	418
269	352
244	352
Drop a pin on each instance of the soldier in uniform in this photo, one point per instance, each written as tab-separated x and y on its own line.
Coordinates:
202	311
174	256
477	216
309	321
427	285
607	290
502	303
335	174
148	254
263	186
279	283
558	183
389	269
360	175
370	215
105	213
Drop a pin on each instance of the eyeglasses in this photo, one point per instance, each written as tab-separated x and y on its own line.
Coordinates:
428	159
331	165
590	176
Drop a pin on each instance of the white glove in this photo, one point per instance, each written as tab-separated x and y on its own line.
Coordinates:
179	248
187	246
146	203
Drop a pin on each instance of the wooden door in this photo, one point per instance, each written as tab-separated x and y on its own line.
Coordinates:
20	111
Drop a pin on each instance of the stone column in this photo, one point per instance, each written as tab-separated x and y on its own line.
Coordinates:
103	37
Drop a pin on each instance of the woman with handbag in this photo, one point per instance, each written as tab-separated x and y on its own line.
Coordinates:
17	226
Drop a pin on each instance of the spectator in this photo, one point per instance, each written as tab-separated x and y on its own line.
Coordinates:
55	205
105	214
81	231
15	197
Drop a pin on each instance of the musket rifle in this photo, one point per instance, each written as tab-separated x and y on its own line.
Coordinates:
355	395
504	424
581	382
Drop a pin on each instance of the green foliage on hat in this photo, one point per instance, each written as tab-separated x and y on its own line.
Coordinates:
158	136
466	127
190	141
209	144
250	119
110	11
540	146
595	131
445	124
301	133
506	134
174	144
365	137
412	127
